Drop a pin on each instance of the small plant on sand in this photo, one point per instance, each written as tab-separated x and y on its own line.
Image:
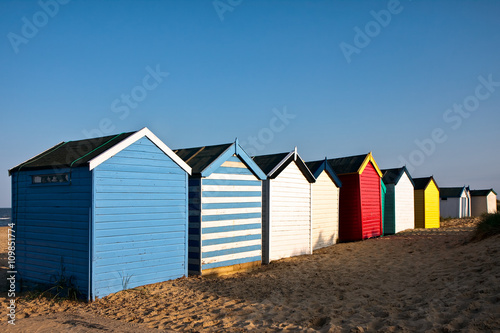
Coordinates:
63	286
125	280
489	226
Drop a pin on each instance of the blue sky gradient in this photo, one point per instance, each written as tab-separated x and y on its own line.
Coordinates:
228	68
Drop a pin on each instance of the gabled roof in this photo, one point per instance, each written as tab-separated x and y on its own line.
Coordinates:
317	167
481	193
93	152
451	192
199	158
204	160
422	183
353	164
392	176
274	164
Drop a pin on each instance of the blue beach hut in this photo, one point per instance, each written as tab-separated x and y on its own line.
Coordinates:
225	209
106	214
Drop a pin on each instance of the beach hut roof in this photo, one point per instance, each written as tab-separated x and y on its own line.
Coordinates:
422	183
316	167
93	152
392	176
204	160
481	193
353	164
274	164
451	192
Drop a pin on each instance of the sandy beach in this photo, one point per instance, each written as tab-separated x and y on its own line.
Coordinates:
430	280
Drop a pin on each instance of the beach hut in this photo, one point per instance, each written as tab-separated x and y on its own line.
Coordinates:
455	202
483	201
102	214
287	229
360	197
325	194
426	197
399	213
225	209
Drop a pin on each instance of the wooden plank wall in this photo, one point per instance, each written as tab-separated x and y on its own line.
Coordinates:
432	206
404	204
290	214
389	210
140	214
325	212
370	202
52	223
350	209
231	217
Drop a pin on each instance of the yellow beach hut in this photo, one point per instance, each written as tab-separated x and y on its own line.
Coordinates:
426	203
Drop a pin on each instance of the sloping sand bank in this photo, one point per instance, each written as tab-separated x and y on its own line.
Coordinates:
418	280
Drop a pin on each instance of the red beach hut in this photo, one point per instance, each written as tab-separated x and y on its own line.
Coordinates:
360	214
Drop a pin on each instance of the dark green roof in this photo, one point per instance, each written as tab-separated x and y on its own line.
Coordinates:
451	192
72	153
481	193
421	183
392	176
349	164
201	157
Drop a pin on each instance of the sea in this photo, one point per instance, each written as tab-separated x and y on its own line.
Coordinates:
5	216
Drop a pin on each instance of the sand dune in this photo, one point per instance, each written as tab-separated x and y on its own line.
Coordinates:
418	280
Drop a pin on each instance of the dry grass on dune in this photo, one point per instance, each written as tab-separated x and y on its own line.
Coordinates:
417	280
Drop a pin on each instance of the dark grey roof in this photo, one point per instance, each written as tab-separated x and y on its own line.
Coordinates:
481	193
201	157
391	176
450	192
421	183
72	153
313	166
349	164
267	162
316	167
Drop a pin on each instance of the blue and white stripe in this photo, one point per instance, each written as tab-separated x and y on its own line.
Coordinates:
231	216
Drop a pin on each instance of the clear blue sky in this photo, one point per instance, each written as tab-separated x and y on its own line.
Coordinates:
232	66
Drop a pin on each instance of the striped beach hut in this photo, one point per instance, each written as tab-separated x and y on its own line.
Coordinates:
287	229
325	204
103	214
455	202
225	209
426	197
483	201
399	212
360	197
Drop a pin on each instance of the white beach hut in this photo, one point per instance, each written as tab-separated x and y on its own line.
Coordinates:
455	202
483	201
325	204
399	201
286	206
